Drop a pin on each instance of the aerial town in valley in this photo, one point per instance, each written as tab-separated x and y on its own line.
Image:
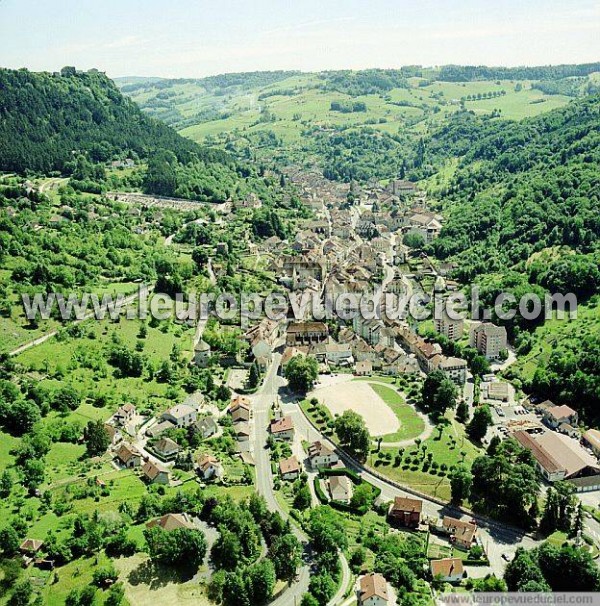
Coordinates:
335	414
295	338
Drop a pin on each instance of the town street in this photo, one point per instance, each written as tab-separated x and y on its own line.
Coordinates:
262	403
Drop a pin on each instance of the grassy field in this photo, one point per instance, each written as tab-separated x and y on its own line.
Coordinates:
426	467
287	107
411	425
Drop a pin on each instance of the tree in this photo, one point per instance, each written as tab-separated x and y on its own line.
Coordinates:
286	555
161	175
523	569
115	595
181	546
414	240
482	419
226	552
363	497
22	593
462	412
253	376
9	541
96	438
493	445
438	393
489	583
301	373
302	497
6	484
507	483
260	581
461	482
353	434
32	472
322	587
309	600
200	258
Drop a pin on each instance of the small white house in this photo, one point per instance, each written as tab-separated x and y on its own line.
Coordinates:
209	467
373	590
289	469
340	488
321	456
449	570
181	415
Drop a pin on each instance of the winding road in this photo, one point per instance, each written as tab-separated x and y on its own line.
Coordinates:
262	402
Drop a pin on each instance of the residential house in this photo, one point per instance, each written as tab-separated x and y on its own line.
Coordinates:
158	428
321	455
155	473
172	521
425	225
488	339
114	435
448	570
373	590
363	368
202	353
361	350
209	467
124	414
289	469
406	512
282	429
30	547
340	488
206	426
166	449
242	431
129	456
461	532
181	415
240	409
454	368
451	328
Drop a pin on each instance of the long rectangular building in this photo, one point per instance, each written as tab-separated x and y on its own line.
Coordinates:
558	457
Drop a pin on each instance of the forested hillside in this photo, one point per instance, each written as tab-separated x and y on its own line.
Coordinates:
45	118
523	215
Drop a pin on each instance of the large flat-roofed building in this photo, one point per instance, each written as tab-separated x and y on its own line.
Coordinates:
558	456
450	328
488	339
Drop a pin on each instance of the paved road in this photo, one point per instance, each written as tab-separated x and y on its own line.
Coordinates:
262	402
497	538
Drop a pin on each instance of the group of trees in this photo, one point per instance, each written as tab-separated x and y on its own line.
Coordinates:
46	116
552	568
438	394
301	373
506	484
242	577
353	434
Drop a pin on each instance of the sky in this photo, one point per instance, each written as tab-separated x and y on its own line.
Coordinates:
184	38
